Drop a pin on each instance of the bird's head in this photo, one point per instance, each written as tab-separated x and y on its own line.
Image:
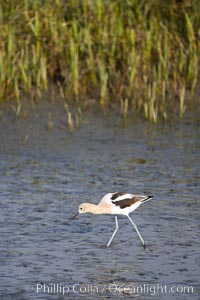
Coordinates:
83	208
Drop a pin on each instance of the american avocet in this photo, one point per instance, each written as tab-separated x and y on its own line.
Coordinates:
116	204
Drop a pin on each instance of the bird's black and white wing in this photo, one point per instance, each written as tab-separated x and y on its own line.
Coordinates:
124	200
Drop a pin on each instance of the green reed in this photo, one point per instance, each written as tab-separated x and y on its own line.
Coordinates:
139	57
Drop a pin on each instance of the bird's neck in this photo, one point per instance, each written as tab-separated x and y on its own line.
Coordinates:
98	209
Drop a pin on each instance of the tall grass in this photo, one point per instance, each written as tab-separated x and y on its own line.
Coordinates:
140	56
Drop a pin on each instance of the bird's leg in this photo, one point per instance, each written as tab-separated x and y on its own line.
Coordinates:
113	232
134	225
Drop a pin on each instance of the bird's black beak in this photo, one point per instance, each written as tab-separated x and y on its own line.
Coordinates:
73	217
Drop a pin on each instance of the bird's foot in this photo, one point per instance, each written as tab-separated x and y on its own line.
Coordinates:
144	246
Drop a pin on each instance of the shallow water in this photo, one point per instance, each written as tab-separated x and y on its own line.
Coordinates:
45	175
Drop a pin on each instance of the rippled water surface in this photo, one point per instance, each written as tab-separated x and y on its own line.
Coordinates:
45	175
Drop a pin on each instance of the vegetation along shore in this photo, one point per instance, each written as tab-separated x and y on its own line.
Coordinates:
140	57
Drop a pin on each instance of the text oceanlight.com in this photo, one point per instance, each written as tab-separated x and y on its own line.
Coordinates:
79	288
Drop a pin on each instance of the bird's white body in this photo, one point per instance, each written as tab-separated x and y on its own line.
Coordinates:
116	204
116	210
